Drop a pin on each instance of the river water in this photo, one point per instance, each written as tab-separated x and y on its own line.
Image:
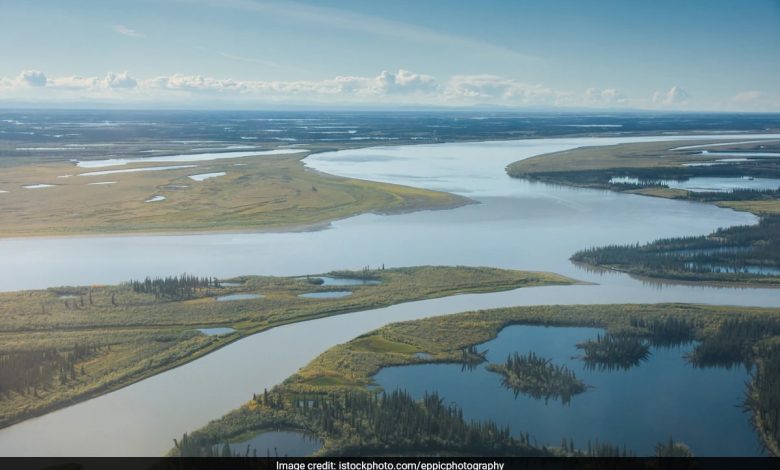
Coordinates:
516	224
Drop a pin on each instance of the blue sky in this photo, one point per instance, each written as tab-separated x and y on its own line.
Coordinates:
692	55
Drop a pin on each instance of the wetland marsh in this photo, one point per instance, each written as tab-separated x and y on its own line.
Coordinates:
515	224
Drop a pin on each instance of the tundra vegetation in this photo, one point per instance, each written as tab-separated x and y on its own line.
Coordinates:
740	255
335	398
263	193
746	255
65	344
653	163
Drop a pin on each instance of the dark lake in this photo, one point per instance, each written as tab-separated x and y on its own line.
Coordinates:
662	397
279	443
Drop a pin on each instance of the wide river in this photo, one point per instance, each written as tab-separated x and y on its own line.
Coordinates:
517	224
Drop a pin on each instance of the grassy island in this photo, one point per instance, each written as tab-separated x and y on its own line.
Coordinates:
66	344
267	192
335	398
644	168
734	256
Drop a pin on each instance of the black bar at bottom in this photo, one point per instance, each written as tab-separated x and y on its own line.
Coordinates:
380	463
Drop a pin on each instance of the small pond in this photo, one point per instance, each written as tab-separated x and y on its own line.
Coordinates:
216	331
326	295
278	443
229	297
662	397
342	281
205	176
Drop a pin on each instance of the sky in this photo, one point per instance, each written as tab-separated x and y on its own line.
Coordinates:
697	55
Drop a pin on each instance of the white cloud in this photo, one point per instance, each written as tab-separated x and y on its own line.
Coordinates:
674	96
388	87
125	31
401	87
121	80
405	81
74	83
491	89
33	78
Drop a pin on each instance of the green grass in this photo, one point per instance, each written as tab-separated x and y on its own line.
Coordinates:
141	336
351	366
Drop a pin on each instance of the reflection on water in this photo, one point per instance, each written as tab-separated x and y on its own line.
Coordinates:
278	443
638	407
229	297
705	184
341	281
216	331
518	225
748	269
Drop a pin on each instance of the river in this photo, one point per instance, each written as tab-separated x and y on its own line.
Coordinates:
516	224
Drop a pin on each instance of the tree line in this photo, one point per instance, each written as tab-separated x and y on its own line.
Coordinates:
30	371
763	396
734	342
730	253
180	287
365	423
609	352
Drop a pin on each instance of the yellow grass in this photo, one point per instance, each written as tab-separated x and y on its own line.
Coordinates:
141	336
260	193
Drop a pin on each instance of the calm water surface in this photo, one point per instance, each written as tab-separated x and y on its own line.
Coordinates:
516	224
230	297
638	408
216	331
278	443
327	295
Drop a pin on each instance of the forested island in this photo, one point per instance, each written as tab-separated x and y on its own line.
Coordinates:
538	377
647	168
740	255
614	351
66	344
335	399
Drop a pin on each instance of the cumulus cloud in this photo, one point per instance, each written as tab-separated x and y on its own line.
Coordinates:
34	78
491	88
674	96
392	87
405	81
74	82
121	80
125	31
399	87
111	80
